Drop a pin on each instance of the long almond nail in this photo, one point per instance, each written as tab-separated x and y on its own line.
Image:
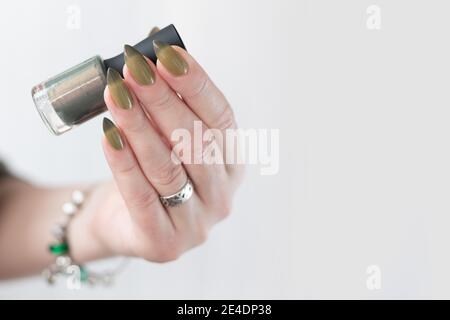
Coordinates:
119	90
112	134
138	66
170	58
153	31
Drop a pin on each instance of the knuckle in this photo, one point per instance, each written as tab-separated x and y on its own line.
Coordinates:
165	256
168	251
199	88
144	199
163	100
134	125
223	208
226	119
125	170
201	235
168	173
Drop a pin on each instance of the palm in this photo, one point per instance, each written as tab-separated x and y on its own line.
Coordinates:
110	219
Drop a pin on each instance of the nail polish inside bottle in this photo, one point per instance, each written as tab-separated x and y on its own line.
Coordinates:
76	95
73	96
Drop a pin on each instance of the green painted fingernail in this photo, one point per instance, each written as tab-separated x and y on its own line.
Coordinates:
112	134
170	58
118	89
138	66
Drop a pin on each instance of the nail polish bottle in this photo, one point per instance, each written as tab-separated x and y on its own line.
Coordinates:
76	95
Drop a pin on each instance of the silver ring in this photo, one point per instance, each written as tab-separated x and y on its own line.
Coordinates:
180	197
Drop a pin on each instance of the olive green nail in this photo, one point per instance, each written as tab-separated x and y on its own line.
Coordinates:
170	58
138	66
119	90
153	31
112	134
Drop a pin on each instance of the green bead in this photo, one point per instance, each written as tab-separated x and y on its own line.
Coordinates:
59	248
84	276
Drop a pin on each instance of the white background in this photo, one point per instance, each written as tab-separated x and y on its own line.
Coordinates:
364	141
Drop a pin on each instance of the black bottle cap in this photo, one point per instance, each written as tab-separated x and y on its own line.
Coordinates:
168	35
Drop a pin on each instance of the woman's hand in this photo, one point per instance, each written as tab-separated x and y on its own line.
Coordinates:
148	106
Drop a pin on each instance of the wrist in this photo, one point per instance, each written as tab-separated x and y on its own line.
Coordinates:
82	234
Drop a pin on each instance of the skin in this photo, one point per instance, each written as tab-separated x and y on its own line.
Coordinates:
125	216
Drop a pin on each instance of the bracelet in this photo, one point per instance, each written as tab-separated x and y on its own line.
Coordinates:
64	264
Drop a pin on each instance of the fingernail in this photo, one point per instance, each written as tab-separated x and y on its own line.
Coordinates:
112	134
138	66
170	58
119	90
153	31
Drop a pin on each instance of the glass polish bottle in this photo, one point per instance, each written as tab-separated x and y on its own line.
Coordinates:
76	95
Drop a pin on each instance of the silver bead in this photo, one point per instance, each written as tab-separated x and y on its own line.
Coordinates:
58	231
63	261
64	221
49	276
78	197
69	208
